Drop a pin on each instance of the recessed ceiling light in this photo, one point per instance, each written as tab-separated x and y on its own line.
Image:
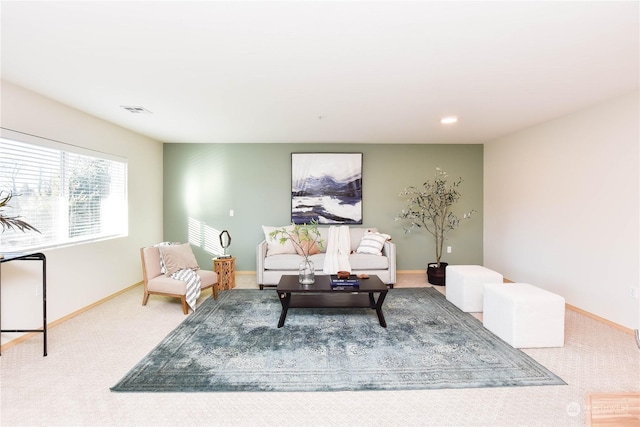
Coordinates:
136	110
448	120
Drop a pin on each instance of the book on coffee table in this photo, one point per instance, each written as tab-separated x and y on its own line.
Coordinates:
351	282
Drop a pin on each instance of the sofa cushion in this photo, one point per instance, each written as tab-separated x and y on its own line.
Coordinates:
368	262
274	247
372	243
207	278
292	262
167	285
289	262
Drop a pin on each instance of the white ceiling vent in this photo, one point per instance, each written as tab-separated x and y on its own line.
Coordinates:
136	110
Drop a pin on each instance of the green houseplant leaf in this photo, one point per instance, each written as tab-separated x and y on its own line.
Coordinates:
301	235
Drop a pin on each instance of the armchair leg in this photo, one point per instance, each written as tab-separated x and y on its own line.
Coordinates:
185	308
215	290
145	298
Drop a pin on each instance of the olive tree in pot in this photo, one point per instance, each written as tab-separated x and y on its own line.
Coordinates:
429	207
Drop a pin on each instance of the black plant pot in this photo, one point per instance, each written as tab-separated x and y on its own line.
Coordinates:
436	275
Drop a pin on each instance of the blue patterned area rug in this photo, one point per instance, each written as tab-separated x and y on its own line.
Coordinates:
233	344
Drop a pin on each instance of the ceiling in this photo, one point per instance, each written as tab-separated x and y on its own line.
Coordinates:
323	71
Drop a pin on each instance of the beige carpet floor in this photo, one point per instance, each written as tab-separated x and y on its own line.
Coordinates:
92	351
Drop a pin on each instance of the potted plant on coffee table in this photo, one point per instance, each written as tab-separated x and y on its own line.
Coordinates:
429	207
307	241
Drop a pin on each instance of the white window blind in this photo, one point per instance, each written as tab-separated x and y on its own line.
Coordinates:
70	197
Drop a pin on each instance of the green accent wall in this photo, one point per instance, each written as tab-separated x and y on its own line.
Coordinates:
203	182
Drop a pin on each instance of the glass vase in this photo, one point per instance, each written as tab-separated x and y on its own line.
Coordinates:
306	272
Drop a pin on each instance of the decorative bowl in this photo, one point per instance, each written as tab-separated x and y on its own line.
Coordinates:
343	274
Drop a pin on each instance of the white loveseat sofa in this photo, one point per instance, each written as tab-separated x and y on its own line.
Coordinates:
274	260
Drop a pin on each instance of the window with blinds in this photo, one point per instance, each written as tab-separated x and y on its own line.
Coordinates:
69	195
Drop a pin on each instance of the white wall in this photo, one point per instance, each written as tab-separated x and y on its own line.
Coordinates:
561	208
82	274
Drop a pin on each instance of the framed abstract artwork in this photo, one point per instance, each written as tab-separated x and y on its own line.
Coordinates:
326	187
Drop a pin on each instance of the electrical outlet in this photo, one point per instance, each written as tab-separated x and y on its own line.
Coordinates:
231	212
633	292
448	249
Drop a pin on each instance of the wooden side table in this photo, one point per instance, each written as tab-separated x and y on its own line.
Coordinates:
225	268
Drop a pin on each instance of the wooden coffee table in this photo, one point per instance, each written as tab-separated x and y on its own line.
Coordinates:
320	295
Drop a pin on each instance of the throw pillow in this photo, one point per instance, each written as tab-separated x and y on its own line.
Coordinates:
273	245
356	234
372	243
310	248
163	269
178	257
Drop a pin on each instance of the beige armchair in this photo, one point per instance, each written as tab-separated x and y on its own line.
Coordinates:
155	282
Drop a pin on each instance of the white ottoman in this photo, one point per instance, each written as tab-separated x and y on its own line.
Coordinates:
465	285
523	315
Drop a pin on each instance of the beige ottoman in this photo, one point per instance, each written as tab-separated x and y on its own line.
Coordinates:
465	285
523	315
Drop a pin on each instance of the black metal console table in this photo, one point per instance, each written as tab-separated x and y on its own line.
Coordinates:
29	257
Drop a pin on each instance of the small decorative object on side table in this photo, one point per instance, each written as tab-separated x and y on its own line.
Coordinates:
225	268
225	242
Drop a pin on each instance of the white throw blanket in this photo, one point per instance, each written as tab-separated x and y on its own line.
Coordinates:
188	275
193	285
338	248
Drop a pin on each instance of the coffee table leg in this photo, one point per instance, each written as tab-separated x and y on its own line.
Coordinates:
381	298
285	298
